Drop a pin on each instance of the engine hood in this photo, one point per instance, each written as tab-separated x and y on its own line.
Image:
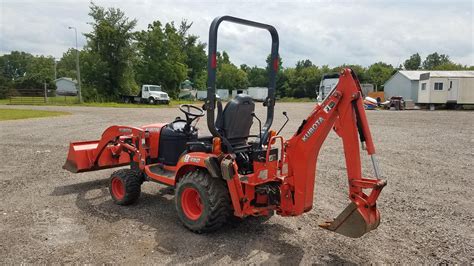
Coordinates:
160	94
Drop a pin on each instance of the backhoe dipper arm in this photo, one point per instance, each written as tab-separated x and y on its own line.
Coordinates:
342	111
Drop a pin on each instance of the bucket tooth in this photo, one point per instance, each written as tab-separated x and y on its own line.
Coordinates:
351	222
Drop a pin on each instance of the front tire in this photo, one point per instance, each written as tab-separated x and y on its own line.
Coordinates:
125	186
202	202
151	100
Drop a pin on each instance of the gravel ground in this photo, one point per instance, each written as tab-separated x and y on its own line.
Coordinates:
48	215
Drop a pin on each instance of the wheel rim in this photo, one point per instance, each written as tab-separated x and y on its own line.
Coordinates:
191	203
118	188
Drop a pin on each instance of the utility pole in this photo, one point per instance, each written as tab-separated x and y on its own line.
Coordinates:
55	69
78	70
45	93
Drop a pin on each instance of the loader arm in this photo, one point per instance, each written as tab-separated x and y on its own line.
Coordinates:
342	111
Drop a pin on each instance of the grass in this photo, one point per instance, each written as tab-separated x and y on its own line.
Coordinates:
72	101
14	114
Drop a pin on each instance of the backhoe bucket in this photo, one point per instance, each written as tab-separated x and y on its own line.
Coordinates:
354	221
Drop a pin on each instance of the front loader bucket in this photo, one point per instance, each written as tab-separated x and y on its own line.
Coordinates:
86	156
354	221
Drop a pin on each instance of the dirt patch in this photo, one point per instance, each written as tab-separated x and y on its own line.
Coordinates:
48	215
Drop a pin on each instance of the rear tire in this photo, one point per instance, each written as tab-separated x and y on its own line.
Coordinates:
125	186
202	202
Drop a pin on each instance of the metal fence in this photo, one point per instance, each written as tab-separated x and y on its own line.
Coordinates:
28	96
39	96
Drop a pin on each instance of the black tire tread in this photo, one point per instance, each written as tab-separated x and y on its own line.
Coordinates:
219	199
133	181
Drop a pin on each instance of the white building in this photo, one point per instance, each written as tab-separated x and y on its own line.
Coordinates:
66	86
403	83
446	87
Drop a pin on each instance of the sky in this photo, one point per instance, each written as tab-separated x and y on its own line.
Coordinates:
326	32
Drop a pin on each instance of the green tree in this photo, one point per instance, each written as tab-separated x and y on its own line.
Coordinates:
222	58
360	71
451	66
194	51
434	60
302	80
162	60
20	70
200	82
413	63
379	73
228	75
304	63
66	66
15	64
196	59
110	44
258	77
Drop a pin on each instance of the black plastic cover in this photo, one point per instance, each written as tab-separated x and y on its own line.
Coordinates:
173	143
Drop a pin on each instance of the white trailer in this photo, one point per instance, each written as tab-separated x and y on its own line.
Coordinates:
452	88
201	95
223	94
235	92
328	82
258	93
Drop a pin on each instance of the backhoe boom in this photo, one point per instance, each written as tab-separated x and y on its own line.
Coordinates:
342	111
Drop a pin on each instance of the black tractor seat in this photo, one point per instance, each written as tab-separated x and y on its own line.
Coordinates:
236	120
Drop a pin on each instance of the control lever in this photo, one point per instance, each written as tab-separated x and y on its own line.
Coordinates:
259	128
287	119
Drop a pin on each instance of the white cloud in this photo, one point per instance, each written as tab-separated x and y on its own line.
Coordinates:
326	32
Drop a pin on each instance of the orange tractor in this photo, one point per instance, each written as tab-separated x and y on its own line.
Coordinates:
234	173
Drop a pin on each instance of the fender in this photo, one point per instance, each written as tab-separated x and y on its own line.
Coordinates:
194	160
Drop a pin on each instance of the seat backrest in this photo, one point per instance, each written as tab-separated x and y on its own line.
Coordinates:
236	119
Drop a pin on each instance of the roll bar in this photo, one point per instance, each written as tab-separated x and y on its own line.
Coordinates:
210	103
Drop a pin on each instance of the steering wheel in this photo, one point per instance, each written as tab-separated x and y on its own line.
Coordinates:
192	112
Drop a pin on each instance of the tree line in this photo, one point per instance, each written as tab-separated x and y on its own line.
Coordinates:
117	59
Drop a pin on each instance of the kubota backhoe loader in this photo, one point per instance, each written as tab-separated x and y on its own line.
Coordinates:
233	172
